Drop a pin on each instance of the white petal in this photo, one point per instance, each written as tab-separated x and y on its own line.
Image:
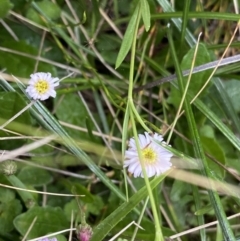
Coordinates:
34	93
163	156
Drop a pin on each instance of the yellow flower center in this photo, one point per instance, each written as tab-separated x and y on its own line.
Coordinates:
42	86
149	155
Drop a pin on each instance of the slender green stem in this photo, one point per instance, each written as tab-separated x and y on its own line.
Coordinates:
158	231
140	219
133	113
138	117
184	21
133	54
124	140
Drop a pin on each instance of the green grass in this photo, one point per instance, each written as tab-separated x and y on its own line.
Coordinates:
126	67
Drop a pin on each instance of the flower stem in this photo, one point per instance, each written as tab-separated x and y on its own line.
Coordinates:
133	112
158	231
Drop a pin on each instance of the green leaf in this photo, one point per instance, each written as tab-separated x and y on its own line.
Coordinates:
167	7
49	220
222	97
233	89
96	206
207	131
48	121
108	46
70	207
115	217
198	79
51	10
20	65
34	176
6	195
27	197
148	232
211	147
179	190
75	115
205	210
146	15
42	156
128	38
5	6
199	152
79	189
11	104
8	211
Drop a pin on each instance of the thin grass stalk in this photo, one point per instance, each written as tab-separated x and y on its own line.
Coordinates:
199	152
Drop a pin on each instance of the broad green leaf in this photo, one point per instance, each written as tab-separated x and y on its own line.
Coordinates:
222	97
211	147
8	211
90	208
179	190
42	156
233	163
128	37
10	105
233	89
70	207
198	79
28	36
77	188
5	7
51	10
34	176
96	206
217	122
49	220
146	15
207	131
20	65
108	46
6	195
73	111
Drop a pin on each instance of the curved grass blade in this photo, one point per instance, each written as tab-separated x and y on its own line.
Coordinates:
184	20
146	15
177	22
199	152
50	123
128	37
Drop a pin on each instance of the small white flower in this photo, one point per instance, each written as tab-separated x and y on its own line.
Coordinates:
41	86
156	159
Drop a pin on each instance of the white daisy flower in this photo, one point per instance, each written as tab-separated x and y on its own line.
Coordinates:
41	86
156	159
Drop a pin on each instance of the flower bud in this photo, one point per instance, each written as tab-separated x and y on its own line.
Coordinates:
8	167
84	232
